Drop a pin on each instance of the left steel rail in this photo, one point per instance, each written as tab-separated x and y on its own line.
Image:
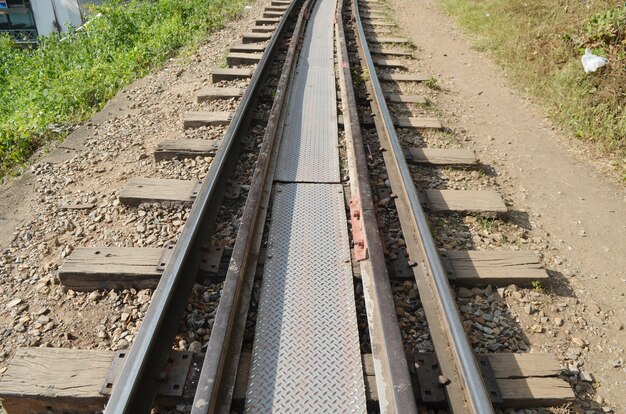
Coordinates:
216	384
143	371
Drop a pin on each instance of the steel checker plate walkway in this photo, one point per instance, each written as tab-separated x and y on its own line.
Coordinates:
306	355
308	151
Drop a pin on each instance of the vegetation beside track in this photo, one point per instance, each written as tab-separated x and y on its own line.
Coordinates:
69	77
540	43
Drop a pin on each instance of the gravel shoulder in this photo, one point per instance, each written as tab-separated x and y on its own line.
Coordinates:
556	190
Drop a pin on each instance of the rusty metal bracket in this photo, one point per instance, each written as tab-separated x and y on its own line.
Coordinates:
358	235
233	191
249	142
173	378
168	249
426	368
196	190
211	259
384	193
490	379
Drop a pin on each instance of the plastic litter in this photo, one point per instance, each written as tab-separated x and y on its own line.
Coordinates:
592	62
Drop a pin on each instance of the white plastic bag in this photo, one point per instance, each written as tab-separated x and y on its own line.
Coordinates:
592	62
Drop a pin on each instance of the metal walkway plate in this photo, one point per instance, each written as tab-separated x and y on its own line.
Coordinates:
306	355
308	151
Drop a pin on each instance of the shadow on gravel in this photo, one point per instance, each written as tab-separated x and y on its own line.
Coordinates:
559	284
520	218
488	170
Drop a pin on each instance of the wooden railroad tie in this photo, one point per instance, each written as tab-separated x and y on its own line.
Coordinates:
374	20
402	122
372	8
214	94
276	8
272	14
248	48
389	52
396	98
379	23
377	30
141	190
374	15
145	190
417	122
464	158
228	74
40	380
390	63
185	148
238	58
463	201
498	268
382	40
53	380
402	77
196	119
471	268
272	21
264	29
94	268
255	37
523	380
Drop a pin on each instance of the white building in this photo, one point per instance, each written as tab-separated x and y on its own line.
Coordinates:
27	19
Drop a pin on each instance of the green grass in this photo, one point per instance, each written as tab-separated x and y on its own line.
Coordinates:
65	80
540	43
433	83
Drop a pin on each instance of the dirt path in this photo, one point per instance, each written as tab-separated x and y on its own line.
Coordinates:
564	197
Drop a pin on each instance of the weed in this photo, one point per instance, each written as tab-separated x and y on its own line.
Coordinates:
411	45
448	135
487	223
432	83
356	77
365	75
224	60
536	286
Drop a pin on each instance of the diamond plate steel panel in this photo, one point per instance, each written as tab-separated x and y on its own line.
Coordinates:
306	356
308	151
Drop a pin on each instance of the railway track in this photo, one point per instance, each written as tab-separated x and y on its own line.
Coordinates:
309	231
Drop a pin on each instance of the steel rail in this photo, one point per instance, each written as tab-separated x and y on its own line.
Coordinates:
434	280
219	369
142	373
393	381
